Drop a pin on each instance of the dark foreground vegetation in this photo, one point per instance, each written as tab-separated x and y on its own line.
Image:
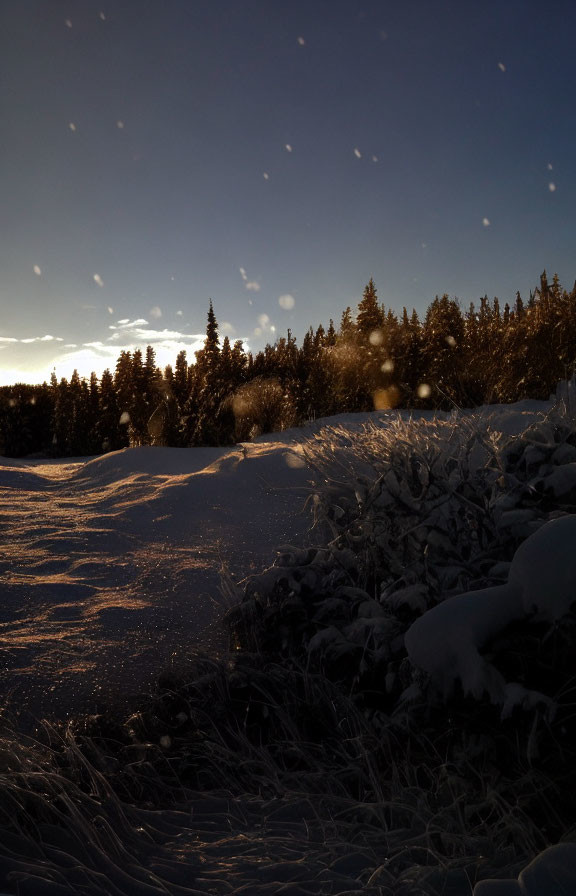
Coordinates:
375	359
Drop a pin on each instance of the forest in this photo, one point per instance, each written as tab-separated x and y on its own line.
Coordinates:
376	359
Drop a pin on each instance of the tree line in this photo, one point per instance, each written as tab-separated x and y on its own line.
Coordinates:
375	359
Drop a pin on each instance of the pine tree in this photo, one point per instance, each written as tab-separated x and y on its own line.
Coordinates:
370	317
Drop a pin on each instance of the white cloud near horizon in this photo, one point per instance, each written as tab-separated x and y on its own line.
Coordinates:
93	356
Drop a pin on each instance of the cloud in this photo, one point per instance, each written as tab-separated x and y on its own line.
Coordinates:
127	324
31	359
46	338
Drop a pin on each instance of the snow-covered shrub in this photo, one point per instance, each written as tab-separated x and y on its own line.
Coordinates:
410	516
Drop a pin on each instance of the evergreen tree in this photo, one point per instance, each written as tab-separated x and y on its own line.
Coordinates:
112	434
370	317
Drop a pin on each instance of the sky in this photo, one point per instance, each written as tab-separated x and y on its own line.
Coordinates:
272	156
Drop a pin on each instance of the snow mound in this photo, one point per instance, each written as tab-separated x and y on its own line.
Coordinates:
446	641
552	873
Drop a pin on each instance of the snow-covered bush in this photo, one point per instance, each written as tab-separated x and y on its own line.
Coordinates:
446	529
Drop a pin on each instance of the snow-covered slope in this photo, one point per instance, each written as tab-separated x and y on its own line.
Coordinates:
111	565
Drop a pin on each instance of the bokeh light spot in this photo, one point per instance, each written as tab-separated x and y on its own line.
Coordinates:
286	302
385	399
294	461
424	390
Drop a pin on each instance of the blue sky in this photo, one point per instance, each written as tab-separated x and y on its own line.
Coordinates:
272	156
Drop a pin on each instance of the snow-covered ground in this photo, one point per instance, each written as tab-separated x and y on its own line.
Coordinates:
112	565
113	568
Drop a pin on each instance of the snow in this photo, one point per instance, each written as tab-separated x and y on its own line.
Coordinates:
446	640
552	873
112	565
115	567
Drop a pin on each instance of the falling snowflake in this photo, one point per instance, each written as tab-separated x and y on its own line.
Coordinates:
357	153
68	23
301	41
37	270
552	186
501	66
156	312
98	280
71	125
179	313
424	390
120	125
374	158
263	320
288	147
286	302
550	166
486	222
110	310
266	176
102	16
